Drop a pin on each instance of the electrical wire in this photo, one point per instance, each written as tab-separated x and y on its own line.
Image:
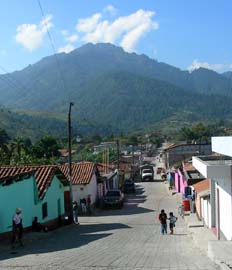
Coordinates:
53	48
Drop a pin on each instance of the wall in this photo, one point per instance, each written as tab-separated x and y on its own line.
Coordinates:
16	195
206	211
183	182
82	191
225	208
183	152
222	145
55	192
21	195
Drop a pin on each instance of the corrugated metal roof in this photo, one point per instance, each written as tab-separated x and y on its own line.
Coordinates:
43	175
81	172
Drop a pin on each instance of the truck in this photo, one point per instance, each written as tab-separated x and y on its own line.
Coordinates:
147	172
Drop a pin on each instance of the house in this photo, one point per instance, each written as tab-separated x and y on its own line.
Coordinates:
38	190
219	170
174	153
185	176
85	178
202	201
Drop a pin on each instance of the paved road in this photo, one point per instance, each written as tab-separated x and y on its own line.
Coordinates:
127	238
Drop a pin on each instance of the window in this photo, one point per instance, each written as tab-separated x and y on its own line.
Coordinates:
44	210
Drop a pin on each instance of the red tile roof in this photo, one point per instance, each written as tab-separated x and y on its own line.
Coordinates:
81	172
43	175
202	186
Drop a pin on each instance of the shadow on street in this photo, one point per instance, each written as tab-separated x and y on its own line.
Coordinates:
69	237
131	205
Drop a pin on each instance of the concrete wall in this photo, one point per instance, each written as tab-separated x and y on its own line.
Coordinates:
225	209
206	211
183	152
222	145
82	191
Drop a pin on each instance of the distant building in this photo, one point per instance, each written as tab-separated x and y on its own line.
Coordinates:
174	153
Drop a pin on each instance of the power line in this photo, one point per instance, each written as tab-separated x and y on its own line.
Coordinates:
53	48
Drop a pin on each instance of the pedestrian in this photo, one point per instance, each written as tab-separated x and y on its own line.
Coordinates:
89	204
17	228
75	212
172	222
163	221
83	206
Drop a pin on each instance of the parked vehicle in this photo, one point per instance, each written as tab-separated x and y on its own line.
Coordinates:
113	197
129	186
147	172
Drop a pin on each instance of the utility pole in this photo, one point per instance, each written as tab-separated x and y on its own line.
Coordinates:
70	161
117	142
133	162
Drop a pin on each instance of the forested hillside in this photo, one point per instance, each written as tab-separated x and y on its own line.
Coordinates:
113	91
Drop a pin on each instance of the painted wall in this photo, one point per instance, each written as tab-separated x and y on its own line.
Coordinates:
222	145
54	193
17	195
225	209
206	211
82	191
182	182
23	195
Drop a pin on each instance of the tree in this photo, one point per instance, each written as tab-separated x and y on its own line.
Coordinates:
4	150
46	147
20	150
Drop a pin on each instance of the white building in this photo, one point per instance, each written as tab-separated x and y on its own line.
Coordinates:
219	170
84	180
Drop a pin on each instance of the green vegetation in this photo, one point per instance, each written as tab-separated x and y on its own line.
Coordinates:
114	92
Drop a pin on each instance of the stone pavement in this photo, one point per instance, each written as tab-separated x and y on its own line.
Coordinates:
127	238
218	251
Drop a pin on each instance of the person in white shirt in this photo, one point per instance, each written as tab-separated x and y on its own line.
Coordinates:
17	227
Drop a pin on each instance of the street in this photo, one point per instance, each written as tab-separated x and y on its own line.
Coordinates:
127	238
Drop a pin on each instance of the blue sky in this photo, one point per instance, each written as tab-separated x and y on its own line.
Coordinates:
184	33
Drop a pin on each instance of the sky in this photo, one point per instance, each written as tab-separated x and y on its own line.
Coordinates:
185	33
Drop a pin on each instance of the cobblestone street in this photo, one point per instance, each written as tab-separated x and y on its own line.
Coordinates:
127	238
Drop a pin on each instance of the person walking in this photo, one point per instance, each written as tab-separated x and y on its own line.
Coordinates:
83	206
172	222
89	205
17	228
75	212
163	221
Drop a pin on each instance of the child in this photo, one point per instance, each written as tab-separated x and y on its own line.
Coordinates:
172	221
163	221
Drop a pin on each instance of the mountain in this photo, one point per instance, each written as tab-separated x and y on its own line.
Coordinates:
228	74
116	91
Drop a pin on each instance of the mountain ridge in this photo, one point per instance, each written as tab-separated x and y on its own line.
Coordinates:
94	74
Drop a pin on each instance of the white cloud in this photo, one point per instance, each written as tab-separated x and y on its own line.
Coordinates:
64	32
66	49
88	24
111	9
31	36
196	64
126	30
72	38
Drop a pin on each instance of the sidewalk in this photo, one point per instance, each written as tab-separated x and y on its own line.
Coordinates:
219	251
